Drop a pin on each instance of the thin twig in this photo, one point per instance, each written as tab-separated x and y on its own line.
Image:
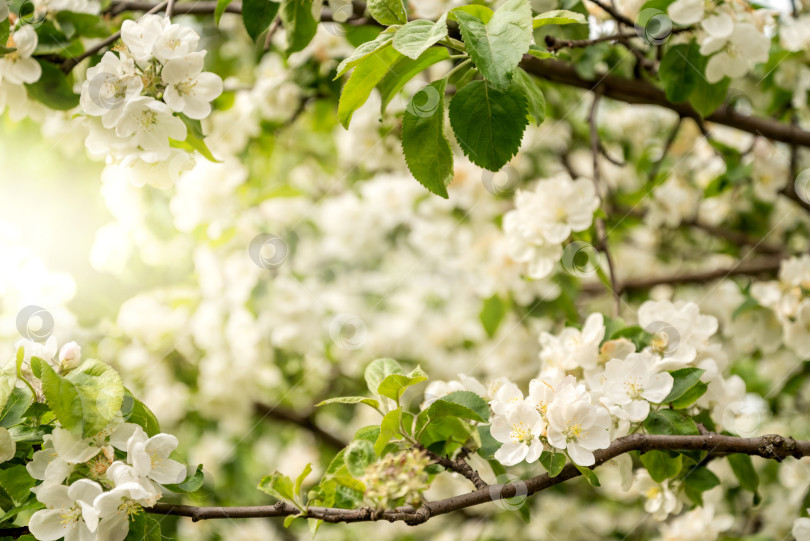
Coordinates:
599	223
307	422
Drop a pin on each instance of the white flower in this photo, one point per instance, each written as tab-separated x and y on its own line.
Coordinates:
175	41
634	382
44	351
149	457
686	12
506	397
661	501
190	89
70	355
18	67
699	524
140	37
544	218
797	331
801	529
7	445
109	84
576	425
61	451
69	512
128	497
519	432
150	124
737	52
573	348
679	331
542	391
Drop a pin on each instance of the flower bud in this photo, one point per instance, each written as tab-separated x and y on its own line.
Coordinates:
70	355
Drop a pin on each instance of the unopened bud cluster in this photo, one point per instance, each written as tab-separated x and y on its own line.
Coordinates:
397	479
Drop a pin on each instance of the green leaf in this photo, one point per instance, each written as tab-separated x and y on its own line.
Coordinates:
257	15
387	12
54	89
534	95
445	435
476	10
8	381
17	404
350	400
359	454
559	17
670	422
82	24
142	527
365	49
416	37
474	407
278	486
498	46
690	396
389	427
395	384
406	69
489	123
488	444
680	70
299	23
362	81
698	481
707	97
743	468
553	462
87	399
427	150
17	483
135	411
378	370
662	465
193	482
492	314
588	474
219	10
685	379
299	482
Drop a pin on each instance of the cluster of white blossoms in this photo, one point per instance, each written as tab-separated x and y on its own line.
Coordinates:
17	67
101	505
731	34
789	299
137	93
591	390
92	486
544	218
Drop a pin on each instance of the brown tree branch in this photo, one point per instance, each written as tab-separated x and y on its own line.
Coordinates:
458	465
754	268
640	92
770	446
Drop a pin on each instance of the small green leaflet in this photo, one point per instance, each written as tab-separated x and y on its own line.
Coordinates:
427	150
362	81
406	69
492	313
366	49
299	23
489	123
498	46
559	17
257	15
387	12
222	5
393	385
417	36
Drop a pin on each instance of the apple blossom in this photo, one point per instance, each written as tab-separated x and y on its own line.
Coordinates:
518	430
189	90
577	426
69	513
